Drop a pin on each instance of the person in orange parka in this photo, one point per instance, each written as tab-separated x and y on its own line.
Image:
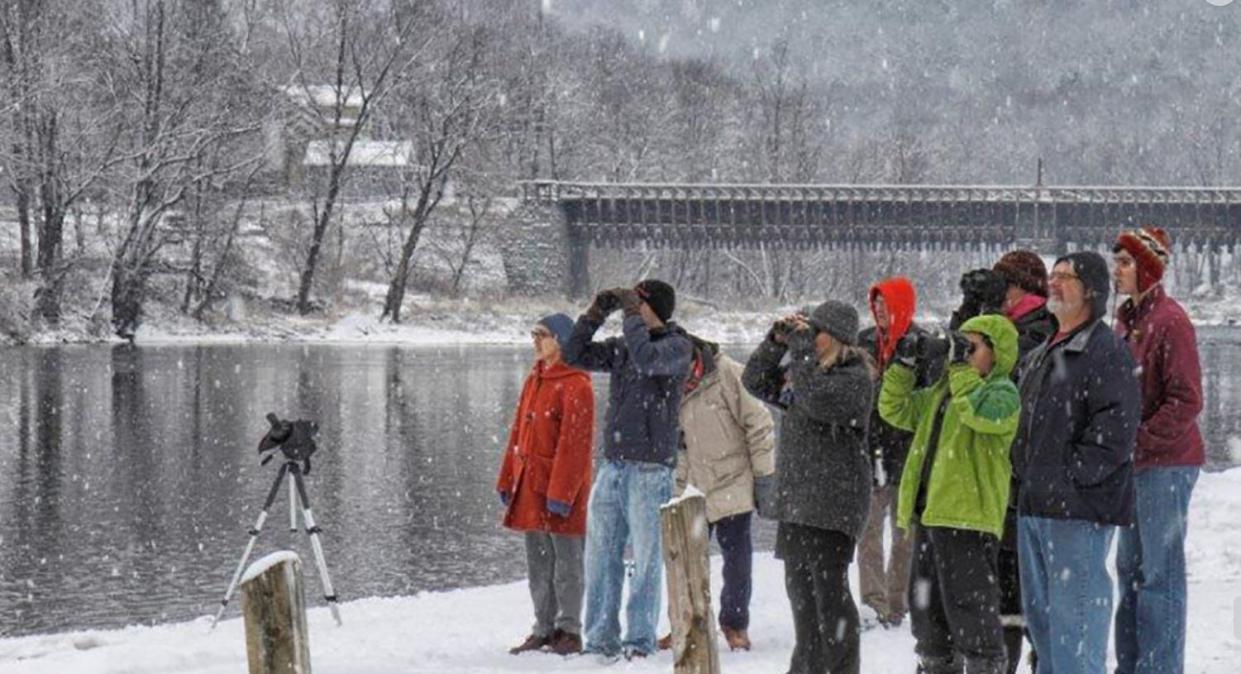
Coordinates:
885	586
544	483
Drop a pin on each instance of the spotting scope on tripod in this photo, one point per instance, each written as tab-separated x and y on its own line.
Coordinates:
296	441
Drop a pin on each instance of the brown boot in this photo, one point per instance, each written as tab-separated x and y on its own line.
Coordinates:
566	643
665	642
737	640
533	642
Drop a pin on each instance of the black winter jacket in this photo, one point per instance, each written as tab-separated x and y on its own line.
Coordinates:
1080	407
823	468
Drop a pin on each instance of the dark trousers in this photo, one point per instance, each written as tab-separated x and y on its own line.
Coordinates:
1010	606
825	618
954	596
733	535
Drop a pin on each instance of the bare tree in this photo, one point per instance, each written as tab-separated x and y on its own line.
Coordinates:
214	212
447	110
60	144
363	48
177	81
476	229
785	116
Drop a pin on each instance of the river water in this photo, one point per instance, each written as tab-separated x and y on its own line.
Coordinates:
129	477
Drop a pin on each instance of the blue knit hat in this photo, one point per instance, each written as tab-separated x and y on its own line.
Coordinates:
561	327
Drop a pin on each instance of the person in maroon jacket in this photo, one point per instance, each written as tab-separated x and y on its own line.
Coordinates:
1150	561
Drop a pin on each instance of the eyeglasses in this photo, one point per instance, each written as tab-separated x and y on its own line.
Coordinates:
540	334
1062	276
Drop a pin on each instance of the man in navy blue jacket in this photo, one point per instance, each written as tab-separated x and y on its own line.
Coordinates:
1080	407
648	365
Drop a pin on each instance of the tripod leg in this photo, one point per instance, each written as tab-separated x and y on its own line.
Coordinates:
292	512
313	530
254	534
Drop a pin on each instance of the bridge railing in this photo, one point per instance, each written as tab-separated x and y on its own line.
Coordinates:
551	191
812	215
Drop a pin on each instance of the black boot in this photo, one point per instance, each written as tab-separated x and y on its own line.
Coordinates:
1013	638
945	664
996	665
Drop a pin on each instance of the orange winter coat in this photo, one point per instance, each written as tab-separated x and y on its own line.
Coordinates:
548	455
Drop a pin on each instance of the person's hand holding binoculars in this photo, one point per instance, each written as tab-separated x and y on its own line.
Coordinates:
781	329
606	301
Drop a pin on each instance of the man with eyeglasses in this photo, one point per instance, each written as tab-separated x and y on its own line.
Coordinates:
1073	455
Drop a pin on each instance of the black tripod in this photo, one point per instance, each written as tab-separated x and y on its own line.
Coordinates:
290	467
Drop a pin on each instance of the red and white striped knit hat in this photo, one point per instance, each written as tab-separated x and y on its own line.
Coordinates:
1150	248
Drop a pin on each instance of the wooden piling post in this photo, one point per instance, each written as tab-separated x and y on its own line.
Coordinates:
685	539
273	602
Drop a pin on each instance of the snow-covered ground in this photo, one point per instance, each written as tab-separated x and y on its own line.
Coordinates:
438	322
469	630
466	322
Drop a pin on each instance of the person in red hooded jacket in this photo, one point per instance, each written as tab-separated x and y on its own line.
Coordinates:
544	483
884	587
1150	555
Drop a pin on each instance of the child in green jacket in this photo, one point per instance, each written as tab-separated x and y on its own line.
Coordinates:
955	488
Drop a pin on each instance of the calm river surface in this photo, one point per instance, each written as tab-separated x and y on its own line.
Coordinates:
129	477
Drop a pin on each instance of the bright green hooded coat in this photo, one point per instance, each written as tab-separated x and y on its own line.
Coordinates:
970	477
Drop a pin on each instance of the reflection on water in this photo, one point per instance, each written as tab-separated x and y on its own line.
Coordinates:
129	476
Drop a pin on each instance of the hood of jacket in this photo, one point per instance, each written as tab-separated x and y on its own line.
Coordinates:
901	300
1003	337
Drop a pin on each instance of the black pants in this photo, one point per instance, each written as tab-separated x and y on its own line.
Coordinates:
825	618
954	595
733	535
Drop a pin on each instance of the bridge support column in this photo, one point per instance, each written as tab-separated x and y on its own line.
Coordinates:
579	265
543	255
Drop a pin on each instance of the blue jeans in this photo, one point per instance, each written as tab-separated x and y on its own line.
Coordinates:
1150	565
1066	592
624	507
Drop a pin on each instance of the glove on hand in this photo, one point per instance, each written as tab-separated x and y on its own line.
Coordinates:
605	303
765	496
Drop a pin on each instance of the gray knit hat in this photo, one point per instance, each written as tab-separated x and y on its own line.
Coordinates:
836	319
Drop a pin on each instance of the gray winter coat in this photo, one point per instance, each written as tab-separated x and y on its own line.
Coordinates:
823	467
648	370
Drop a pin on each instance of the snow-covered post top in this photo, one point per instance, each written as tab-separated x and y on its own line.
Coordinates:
683	521
273	603
263	564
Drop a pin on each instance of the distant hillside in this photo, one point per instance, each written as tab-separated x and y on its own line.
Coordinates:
1126	83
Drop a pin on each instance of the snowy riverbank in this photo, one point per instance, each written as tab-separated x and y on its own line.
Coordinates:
465	321
469	630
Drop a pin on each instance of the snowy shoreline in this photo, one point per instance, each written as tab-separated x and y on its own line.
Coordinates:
465	322
469	630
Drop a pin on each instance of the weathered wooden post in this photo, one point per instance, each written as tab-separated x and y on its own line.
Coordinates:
273	602
684	524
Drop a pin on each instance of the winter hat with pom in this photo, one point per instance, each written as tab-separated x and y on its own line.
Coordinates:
1150	248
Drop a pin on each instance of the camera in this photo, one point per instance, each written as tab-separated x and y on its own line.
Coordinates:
925	346
984	289
295	439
